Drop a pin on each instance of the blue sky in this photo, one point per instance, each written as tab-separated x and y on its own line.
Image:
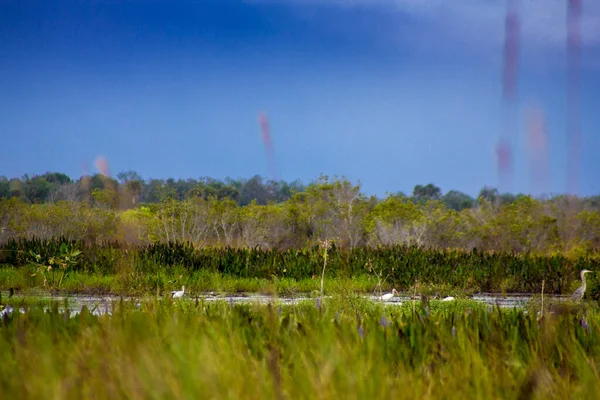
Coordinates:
393	93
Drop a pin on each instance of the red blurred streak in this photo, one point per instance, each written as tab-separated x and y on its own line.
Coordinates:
85	181
102	166
266	137
503	154
511	51
573	95
538	149
266	131
509	92
84	168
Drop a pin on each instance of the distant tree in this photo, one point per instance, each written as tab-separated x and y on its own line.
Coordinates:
489	193
4	187
17	188
129	175
37	189
57	178
105	198
422	194
210	188
399	195
296	186
100	181
152	190
280	191
253	189
396	221
132	184
67	191
335	209
458	201
228	192
508	198
133	189
592	201
182	188
274	190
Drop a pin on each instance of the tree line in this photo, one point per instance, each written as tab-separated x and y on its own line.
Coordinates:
214	213
130	190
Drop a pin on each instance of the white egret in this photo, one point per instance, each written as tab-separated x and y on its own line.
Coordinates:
178	293
448	298
388	296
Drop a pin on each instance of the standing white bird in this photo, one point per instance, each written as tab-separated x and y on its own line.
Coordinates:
178	293
578	294
388	296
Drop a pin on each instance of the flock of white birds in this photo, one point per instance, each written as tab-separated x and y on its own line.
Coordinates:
576	296
179	293
394	292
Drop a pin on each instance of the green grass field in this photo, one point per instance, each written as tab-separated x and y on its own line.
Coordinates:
346	347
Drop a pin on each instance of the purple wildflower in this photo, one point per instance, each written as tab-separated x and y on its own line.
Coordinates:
384	321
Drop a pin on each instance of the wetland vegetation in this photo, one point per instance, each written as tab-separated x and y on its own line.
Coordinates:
59	265
344	346
97	236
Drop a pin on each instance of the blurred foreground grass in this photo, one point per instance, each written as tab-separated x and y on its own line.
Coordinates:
345	347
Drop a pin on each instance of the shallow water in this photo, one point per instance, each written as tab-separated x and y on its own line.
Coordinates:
100	305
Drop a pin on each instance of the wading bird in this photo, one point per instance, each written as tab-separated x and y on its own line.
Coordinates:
388	296
178	293
448	298
578	294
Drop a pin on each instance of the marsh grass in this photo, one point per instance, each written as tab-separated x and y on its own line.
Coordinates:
131	283
394	266
348	348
